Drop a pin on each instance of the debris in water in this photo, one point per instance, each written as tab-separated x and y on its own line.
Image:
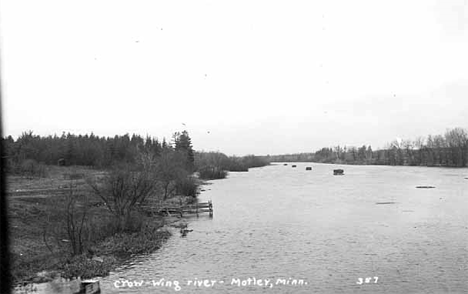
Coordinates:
425	187
184	232
338	172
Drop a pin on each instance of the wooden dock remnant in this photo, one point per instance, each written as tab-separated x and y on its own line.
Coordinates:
338	172
197	208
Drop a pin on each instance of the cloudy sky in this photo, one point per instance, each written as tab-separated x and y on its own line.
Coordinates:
263	77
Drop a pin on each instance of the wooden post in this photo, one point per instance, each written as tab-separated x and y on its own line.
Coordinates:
197	208
210	206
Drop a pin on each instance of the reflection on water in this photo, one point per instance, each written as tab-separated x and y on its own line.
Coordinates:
286	225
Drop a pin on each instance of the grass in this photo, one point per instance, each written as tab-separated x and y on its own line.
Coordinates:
114	250
38	236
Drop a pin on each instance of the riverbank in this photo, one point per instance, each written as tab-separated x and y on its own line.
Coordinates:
40	246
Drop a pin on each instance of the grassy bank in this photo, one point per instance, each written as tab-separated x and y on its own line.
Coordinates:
42	246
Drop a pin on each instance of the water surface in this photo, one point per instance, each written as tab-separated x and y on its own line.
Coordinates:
327	231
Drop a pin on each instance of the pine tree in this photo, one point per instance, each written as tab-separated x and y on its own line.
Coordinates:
183	144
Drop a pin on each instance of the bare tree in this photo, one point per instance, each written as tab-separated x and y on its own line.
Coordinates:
75	223
123	189
457	141
71	220
169	171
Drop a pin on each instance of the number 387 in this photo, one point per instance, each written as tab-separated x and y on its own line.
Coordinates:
367	280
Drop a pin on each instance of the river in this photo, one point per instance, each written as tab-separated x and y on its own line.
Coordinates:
296	231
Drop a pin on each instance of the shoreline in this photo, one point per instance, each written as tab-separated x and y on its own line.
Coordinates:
34	262
98	266
109	254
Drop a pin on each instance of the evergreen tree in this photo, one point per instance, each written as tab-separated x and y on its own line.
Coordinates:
183	144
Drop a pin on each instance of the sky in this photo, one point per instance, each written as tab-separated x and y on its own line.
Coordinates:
242	77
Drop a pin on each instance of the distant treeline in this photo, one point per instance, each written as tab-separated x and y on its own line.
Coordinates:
449	149
29	152
86	150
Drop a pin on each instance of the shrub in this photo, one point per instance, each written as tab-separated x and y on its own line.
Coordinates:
124	244
187	187
123	189
29	168
100	228
212	173
81	266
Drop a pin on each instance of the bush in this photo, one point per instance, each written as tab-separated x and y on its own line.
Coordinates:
29	168
135	222
212	173
100	228
237	165
124	245
123	189
187	187
81	266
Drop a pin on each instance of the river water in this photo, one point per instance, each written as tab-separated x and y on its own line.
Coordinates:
369	231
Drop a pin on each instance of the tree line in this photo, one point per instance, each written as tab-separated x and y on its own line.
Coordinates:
449	149
29	153
85	150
